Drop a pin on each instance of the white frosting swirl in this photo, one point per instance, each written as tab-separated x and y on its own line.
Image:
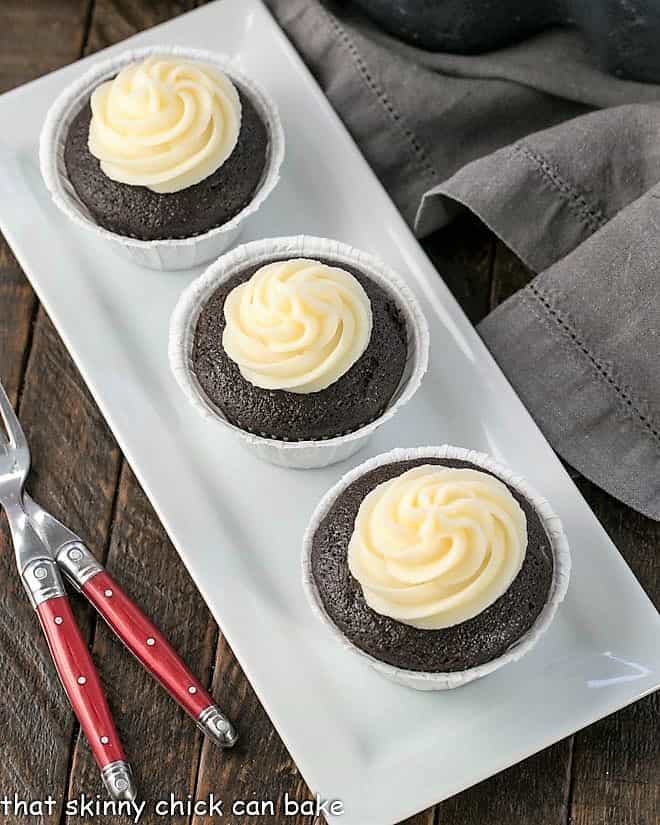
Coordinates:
165	123
436	545
297	325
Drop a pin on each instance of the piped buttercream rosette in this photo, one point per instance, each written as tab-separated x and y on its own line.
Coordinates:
297	325
436	545
166	123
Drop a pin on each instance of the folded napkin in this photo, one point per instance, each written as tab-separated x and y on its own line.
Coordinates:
562	162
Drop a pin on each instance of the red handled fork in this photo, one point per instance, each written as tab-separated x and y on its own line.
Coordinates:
44	547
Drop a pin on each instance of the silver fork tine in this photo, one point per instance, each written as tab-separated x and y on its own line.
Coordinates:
14	430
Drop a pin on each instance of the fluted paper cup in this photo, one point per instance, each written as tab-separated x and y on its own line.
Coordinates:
434	680
296	454
165	254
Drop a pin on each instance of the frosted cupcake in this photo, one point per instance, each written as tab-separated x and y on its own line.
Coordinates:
162	147
437	565
302	345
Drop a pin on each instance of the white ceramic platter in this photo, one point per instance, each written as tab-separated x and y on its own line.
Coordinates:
384	750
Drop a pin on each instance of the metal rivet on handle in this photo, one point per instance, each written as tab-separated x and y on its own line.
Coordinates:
75	554
104	740
58	620
40	573
108	593
192	689
151	642
121	784
82	680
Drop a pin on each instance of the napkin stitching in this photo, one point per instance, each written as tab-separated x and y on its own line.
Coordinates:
576	200
600	368
375	88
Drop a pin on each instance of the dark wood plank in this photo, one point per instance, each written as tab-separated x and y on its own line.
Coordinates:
22	665
637	537
463	255
162	743
534	791
616	768
509	274
115	20
427	817
616	773
75	460
17	309
35	717
17	302
61	27
259	767
75	465
39	36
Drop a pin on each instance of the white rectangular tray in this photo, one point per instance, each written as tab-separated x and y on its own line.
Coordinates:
386	751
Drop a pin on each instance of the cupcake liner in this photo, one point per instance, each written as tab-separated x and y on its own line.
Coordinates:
174	253
446	681
296	454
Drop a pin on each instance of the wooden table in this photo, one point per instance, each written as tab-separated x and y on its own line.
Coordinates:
607	774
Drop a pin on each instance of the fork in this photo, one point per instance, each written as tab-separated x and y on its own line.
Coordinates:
43	546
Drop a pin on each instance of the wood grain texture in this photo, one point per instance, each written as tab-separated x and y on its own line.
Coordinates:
509	274
17	310
463	254
161	741
21	663
35	717
75	464
39	36
534	791
616	766
115	20
427	817
259	767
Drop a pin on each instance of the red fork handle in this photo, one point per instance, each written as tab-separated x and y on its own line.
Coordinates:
153	650
80	680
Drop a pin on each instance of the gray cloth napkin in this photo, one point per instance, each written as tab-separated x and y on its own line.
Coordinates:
562	162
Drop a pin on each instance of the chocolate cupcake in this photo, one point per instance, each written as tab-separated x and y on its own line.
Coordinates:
163	150
435	564
300	401
142	212
302	345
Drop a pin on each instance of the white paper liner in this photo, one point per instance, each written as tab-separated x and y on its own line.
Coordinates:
553	527
170	254
296	454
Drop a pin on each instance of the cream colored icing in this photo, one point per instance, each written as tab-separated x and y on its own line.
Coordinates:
297	325
165	123
436	545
